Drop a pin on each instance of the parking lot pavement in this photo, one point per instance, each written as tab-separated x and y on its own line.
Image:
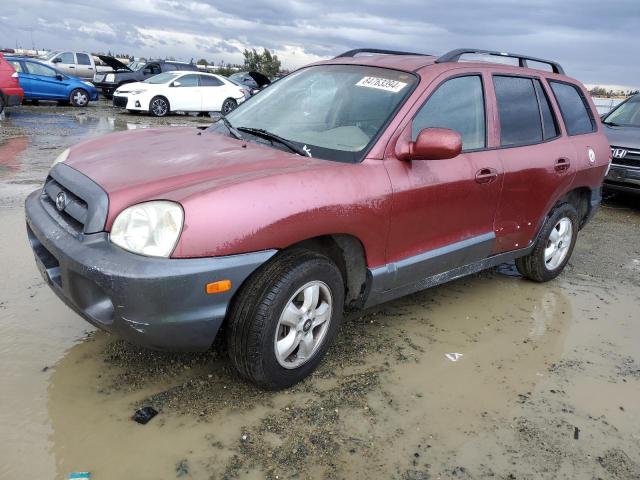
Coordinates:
547	386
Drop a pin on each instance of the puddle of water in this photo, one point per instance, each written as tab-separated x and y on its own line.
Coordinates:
75	414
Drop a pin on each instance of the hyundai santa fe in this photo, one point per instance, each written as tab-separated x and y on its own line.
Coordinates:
348	183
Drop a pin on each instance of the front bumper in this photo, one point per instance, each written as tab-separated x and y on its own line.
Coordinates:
623	179
105	88
12	96
154	302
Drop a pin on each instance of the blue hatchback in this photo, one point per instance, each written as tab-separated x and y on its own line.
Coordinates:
42	82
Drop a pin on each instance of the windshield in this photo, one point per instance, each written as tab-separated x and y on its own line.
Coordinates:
161	78
331	111
627	114
136	65
50	55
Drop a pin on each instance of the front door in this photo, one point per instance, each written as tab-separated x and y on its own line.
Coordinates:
186	95
66	63
44	82
443	210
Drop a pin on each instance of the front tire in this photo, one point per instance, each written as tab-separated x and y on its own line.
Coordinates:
554	247
159	107
284	318
79	98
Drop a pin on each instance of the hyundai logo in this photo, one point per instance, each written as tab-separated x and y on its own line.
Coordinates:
618	153
61	201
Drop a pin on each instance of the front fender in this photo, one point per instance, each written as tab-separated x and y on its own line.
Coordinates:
277	211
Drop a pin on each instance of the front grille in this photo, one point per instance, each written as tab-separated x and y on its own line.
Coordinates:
74	201
630	159
74	209
120	102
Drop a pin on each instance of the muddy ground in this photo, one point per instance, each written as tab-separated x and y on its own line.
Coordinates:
548	384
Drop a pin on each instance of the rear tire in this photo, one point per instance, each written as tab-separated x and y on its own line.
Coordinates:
554	247
79	98
159	107
284	318
228	106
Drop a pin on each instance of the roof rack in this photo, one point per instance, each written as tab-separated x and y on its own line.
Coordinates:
353	53
454	56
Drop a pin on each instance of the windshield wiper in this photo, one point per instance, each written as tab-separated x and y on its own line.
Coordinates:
613	124
233	130
260	132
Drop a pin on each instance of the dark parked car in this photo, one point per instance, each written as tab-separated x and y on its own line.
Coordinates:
349	183
10	91
43	82
110	81
622	126
255	81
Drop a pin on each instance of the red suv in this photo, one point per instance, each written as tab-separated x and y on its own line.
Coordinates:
348	183
10	91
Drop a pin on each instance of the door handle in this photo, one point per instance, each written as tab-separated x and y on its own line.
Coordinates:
71	66
562	165
486	175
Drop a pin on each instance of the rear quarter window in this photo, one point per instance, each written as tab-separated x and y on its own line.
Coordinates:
577	116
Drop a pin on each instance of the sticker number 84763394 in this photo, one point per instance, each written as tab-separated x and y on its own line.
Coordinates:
382	84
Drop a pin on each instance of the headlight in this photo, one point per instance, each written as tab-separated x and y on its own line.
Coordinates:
150	228
88	83
137	92
61	158
109	77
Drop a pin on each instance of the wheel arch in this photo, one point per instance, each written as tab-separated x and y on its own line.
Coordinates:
581	199
349	255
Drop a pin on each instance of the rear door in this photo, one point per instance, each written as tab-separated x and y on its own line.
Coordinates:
185	94
443	210
539	161
214	92
85	66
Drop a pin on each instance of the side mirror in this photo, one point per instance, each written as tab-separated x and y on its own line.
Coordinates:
176	83
59	77
57	60
433	144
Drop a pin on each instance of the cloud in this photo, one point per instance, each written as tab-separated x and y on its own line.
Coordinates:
595	41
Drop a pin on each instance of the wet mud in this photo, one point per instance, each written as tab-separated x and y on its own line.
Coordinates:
547	384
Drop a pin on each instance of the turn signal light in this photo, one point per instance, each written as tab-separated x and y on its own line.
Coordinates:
218	287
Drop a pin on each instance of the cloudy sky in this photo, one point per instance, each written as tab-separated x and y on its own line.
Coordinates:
596	41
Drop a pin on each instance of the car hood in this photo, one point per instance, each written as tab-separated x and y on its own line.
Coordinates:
259	78
176	164
627	137
114	63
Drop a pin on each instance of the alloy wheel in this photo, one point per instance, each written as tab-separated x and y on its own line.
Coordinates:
303	324
558	243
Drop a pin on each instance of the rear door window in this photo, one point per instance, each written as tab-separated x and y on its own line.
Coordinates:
573	107
83	59
520	122
209	81
457	104
549	122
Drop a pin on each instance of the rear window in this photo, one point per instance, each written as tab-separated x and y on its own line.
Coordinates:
520	122
573	107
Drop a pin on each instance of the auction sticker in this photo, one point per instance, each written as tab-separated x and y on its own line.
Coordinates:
382	84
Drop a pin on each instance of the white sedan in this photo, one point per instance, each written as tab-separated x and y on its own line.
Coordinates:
180	92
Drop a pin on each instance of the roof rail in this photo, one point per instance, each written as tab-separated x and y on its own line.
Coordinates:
353	53
454	56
